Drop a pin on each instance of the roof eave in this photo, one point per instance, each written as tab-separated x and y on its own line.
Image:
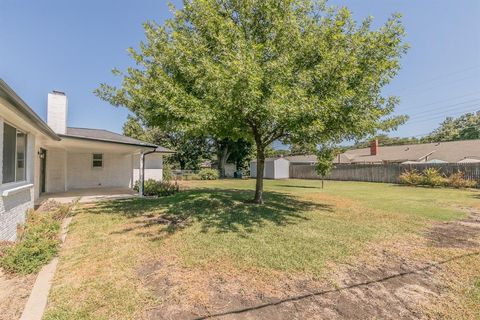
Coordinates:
24	109
109	141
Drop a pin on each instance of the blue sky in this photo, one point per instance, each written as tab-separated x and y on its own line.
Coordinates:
72	46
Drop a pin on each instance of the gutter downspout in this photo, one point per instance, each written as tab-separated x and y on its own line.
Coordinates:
142	171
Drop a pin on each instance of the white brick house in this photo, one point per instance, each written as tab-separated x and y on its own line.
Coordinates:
36	157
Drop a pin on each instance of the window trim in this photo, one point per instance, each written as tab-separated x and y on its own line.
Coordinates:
25	167
93	161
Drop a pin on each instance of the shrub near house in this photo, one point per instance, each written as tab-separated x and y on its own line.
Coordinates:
39	241
154	188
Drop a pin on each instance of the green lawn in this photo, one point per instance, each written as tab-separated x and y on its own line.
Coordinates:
301	229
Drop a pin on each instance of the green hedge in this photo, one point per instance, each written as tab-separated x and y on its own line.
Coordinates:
157	188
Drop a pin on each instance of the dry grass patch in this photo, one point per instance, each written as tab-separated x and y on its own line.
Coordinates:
207	250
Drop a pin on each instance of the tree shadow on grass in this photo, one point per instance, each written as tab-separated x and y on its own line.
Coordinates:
218	210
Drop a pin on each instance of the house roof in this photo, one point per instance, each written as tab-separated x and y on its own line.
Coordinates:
108	136
465	151
469	160
451	151
8	94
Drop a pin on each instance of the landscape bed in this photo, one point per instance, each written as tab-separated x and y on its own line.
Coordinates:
349	250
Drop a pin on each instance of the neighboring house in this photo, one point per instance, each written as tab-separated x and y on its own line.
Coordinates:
437	152
275	168
466	151
36	157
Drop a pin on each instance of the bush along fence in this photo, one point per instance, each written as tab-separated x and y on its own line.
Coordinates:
389	173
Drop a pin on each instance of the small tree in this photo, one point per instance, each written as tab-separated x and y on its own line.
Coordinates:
264	70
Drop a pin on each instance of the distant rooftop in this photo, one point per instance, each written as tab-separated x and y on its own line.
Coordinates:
450	151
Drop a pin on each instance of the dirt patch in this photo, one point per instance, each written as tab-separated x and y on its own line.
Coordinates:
457	234
14	292
391	283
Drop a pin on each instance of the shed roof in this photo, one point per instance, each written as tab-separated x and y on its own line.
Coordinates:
302	158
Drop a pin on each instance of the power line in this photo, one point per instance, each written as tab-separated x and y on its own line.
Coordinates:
440	85
464	108
426	134
447	107
439	116
439	77
441	101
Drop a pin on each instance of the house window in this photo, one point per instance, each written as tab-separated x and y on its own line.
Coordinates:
97	160
14	154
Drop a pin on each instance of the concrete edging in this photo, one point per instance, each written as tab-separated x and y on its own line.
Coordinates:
37	301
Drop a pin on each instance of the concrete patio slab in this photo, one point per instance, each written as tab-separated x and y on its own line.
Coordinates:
88	195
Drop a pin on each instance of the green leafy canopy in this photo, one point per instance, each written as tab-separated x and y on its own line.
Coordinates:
264	70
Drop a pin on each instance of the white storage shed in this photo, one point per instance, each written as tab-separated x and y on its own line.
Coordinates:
275	168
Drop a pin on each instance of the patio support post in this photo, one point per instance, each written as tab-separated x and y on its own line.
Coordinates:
142	173
141	187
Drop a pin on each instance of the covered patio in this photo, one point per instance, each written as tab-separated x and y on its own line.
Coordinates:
88	195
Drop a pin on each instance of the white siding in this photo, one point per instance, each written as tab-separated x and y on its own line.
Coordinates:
282	169
57	111
274	169
116	171
14	206
56	170
153	167
269	170
12	212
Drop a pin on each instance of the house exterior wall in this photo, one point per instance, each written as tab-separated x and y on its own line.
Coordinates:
56	173
116	171
13	211
14	205
153	167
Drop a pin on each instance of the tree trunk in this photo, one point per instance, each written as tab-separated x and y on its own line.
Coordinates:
259	183
222	160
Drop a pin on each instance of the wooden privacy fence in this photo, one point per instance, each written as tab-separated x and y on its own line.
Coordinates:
382	172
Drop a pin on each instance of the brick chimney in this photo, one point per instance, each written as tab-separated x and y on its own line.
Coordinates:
374	149
57	112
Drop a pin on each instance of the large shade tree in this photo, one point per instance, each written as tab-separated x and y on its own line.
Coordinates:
190	148
264	70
